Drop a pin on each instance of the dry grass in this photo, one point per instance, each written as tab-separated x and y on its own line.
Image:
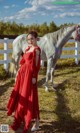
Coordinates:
2	47
60	110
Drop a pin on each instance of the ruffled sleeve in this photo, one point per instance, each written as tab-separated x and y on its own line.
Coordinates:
36	68
22	61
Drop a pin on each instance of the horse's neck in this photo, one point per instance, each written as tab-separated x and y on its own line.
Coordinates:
66	34
73	33
64	31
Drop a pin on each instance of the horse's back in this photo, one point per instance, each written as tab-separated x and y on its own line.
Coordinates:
19	38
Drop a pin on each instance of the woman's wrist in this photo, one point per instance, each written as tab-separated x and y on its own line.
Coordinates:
33	80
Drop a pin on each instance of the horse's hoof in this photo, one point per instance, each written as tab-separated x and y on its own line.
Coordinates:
54	89
55	85
46	89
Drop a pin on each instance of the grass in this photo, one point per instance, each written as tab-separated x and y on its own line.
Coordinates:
3	73
60	110
2	47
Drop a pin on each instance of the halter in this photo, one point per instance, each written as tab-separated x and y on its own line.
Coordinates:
77	34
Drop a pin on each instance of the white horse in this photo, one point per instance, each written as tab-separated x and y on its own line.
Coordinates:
51	45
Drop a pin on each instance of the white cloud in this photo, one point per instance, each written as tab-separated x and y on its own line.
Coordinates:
68	14
27	2
28	10
16	17
13	5
40	2
43	7
6	7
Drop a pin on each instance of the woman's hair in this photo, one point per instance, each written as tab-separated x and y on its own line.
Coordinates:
33	33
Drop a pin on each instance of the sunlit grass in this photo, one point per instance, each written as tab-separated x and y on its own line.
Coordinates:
2	48
60	110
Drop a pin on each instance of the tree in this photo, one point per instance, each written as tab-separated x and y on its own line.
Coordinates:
44	28
52	27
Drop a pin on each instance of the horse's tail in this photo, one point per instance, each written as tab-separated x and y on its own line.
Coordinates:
12	68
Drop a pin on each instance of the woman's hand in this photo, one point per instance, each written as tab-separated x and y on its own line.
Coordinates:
33	80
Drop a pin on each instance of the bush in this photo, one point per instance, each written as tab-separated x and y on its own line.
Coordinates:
3	73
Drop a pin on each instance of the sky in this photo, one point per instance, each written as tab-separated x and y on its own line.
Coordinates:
30	12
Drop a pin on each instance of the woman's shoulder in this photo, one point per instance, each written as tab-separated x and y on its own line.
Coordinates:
37	48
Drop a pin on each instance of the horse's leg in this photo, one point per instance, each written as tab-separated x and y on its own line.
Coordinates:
14	65
52	64
54	61
12	68
46	83
47	79
52	74
49	64
51	80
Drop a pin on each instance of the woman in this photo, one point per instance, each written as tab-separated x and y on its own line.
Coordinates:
24	97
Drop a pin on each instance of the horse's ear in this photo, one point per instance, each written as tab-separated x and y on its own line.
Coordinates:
38	39
64	27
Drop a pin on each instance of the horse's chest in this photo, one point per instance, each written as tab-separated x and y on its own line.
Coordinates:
58	52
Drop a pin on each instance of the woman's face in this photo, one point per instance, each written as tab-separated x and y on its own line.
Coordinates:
31	40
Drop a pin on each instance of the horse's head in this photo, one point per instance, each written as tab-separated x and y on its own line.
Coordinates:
76	33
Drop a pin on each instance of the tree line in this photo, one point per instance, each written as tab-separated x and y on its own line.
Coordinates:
8	28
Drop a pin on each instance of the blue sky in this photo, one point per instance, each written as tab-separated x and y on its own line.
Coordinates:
39	11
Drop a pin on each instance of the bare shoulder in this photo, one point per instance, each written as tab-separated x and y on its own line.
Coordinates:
37	50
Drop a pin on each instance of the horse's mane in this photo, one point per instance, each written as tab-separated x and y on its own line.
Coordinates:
63	28
60	30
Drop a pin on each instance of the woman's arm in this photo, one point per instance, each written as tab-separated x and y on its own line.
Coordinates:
36	65
37	56
36	62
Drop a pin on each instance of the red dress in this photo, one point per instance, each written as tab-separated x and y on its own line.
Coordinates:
24	97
